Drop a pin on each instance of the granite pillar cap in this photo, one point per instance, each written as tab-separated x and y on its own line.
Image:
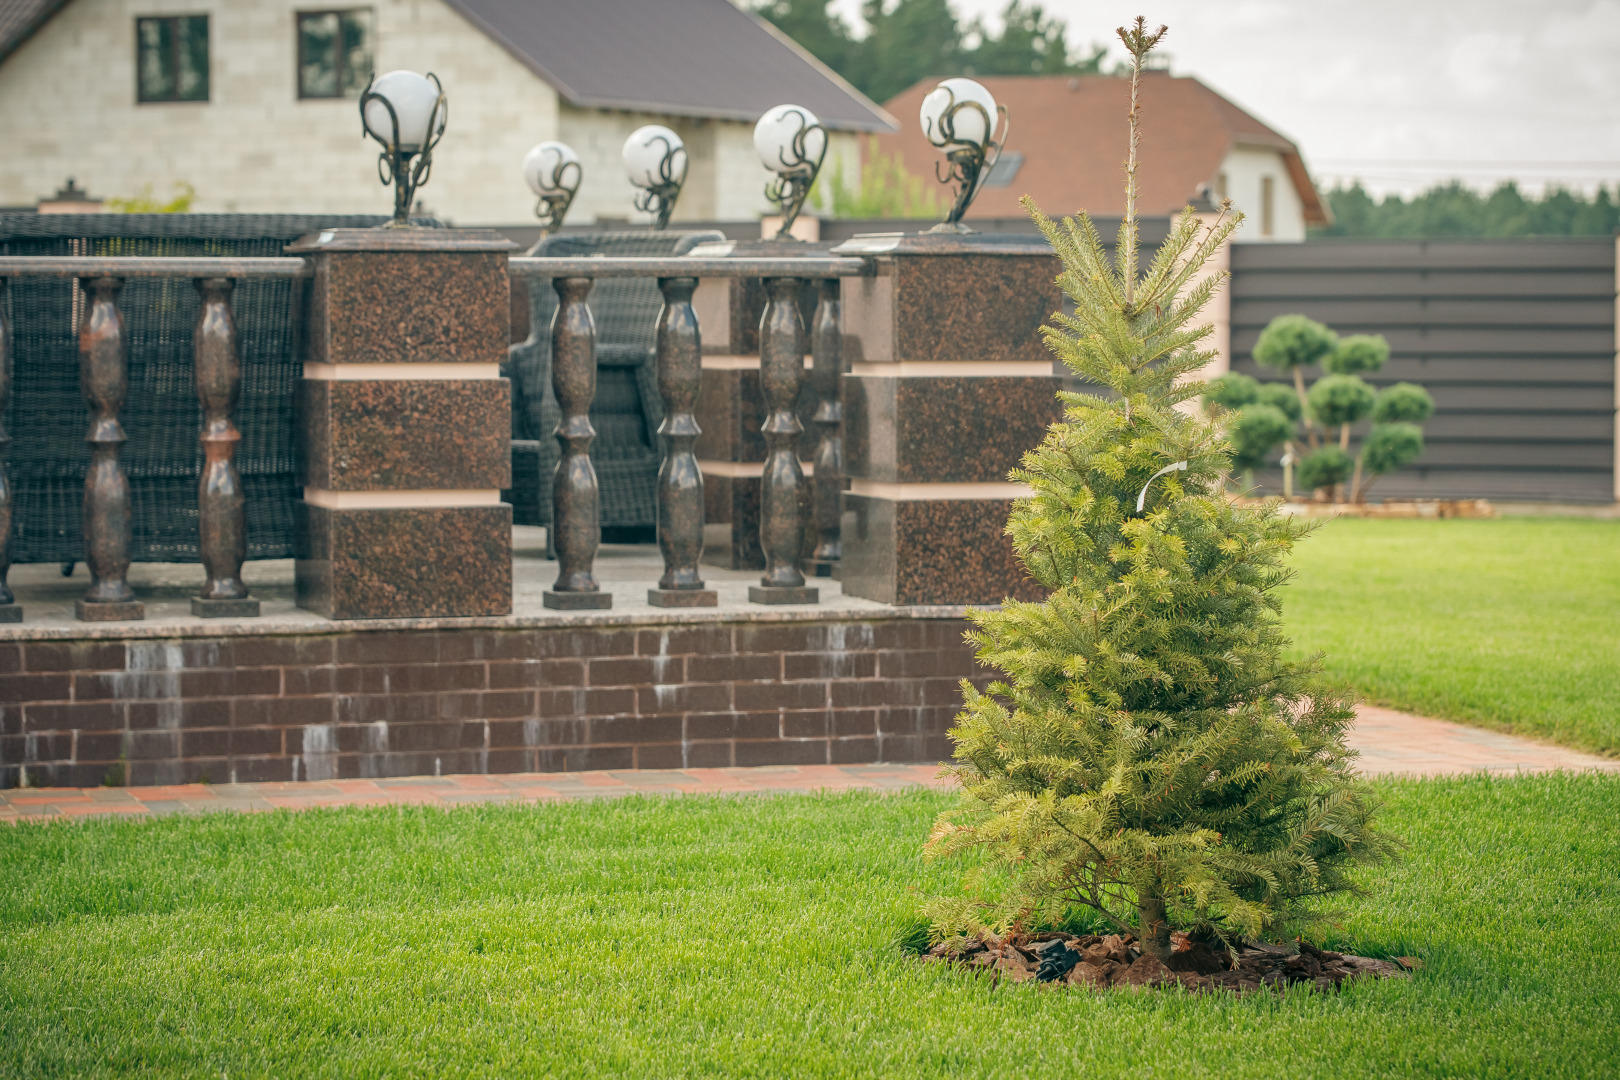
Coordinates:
944	244
402	240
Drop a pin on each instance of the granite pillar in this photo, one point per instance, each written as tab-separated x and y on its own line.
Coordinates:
404	425
949	383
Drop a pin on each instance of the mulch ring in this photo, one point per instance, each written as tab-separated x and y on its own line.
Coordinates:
1100	962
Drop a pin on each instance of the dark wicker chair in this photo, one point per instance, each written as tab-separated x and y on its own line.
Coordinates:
48	416
627	409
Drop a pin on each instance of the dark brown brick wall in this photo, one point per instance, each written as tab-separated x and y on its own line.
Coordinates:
387	703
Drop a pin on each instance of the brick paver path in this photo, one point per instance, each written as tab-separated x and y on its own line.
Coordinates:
1391	743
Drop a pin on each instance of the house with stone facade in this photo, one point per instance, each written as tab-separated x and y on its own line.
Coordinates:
253	103
1068	146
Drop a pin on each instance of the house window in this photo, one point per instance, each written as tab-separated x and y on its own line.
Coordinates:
1268	206
171	58
334	53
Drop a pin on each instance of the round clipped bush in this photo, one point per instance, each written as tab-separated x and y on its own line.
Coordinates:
1282	397
1403	403
1255	432
1325	467
1340	399
1358	352
1390	447
1232	391
1291	341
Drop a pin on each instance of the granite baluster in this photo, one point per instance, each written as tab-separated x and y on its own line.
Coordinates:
10	610
781	514
104	374
680	480
221	525
576	503
827	487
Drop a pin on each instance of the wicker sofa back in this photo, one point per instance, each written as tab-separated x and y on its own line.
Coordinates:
627	409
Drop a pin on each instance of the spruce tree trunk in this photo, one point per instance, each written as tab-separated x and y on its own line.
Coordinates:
1153	927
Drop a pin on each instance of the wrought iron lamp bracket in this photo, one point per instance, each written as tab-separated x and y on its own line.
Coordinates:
659	199
969	163
792	183
404	170
553	206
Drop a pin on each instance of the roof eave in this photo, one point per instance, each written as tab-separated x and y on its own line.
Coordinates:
20	38
517	54
701	112
885	120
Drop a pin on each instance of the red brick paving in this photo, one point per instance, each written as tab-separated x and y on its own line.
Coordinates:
1391	743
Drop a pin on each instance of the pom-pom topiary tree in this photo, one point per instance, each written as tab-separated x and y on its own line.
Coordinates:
1331	407
1148	756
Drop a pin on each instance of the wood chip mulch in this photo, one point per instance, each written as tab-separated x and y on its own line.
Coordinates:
1101	962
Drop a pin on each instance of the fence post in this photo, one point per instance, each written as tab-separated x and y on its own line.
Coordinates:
781	516
10	610
221	528
576	502
104	374
680	480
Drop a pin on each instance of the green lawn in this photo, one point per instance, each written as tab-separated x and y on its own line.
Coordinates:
1510	623
749	937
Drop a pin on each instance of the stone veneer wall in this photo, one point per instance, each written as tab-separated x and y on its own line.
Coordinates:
356	703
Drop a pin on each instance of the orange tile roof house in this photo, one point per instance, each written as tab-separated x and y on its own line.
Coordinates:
1068	148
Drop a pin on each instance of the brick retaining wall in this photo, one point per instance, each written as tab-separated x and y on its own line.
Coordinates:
420	702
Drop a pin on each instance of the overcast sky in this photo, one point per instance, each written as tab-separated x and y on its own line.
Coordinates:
1399	93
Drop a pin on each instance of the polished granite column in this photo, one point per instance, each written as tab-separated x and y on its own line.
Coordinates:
731	407
405	425
949	384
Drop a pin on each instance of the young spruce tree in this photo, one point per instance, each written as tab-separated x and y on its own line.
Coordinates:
1149	755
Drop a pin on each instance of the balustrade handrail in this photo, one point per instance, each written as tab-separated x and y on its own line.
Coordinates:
141	266
593	266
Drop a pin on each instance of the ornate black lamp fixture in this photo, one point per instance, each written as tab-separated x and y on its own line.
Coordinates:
960	117
655	159
406	113
791	143
553	172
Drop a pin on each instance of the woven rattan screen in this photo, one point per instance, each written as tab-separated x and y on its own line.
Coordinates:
48	416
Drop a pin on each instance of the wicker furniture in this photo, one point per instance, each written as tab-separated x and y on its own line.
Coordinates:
627	409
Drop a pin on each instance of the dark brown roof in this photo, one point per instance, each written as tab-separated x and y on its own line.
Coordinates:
680	57
1073	135
20	18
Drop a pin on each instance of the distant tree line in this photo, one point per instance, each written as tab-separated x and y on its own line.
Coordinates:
909	40
1455	210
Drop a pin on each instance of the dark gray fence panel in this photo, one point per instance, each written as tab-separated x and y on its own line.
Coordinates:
1514	338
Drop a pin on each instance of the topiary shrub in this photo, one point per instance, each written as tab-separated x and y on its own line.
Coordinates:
1325	467
1148	759
1232	391
1404	402
1279	396
1357	353
1339	400
1390	447
1255	430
